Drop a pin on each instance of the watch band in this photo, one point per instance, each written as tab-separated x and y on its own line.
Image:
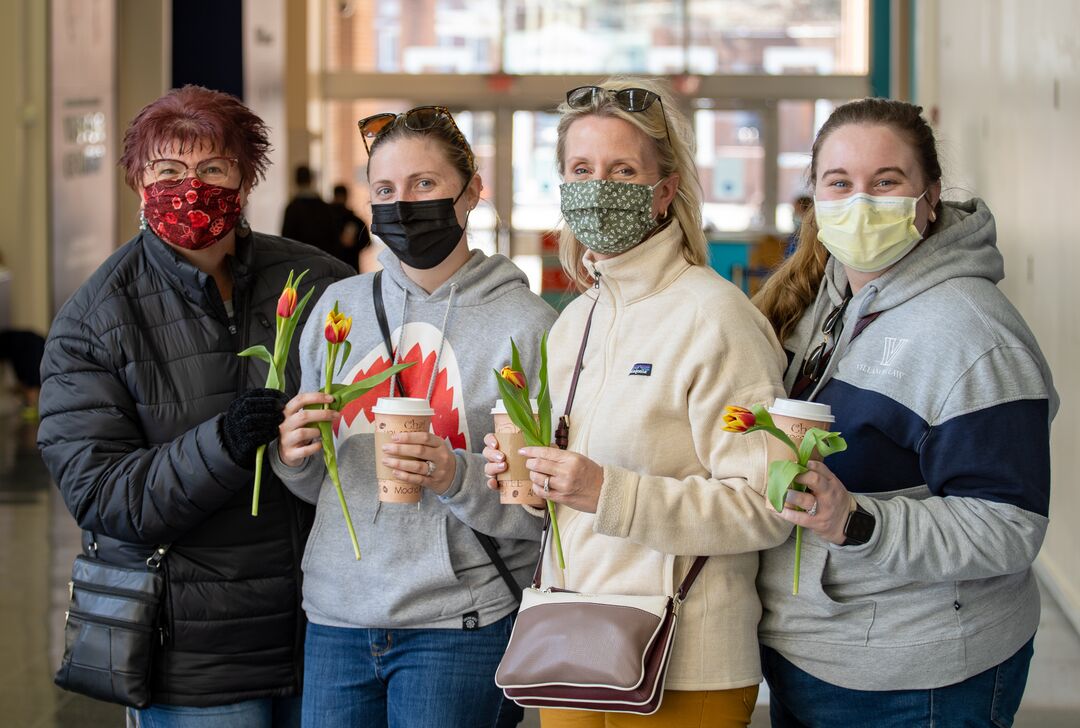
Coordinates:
859	527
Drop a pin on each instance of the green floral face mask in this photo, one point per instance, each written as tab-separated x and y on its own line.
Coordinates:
608	217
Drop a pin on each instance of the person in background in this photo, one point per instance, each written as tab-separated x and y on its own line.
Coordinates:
799	210
411	634
309	218
650	480
352	232
24	350
150	421
917	604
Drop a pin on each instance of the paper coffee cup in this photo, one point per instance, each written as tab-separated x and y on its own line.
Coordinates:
394	415
794	418
515	486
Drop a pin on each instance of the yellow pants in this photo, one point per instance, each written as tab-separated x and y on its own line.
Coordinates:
679	709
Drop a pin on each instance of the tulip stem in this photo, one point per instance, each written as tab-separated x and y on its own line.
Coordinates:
258	479
798	560
555	535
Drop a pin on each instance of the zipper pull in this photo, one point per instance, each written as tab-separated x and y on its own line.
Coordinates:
232	329
596	281
71	591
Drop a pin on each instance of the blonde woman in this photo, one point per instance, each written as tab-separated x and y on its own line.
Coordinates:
649	480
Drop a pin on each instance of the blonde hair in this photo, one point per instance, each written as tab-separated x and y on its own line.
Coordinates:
673	143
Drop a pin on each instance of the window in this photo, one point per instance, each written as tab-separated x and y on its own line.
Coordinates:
731	163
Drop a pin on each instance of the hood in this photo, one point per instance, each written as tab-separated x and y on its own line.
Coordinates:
963	244
481	280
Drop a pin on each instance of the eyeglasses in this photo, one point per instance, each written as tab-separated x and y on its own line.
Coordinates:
633	100
421	118
171	172
814	366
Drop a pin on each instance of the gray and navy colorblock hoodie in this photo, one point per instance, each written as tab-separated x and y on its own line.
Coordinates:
945	401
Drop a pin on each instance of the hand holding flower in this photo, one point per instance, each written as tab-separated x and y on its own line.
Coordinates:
834	503
566	477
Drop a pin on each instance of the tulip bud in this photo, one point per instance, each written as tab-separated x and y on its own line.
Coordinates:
738	419
515	378
286	305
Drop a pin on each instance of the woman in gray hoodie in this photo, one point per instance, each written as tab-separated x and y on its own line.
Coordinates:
412	633
918	604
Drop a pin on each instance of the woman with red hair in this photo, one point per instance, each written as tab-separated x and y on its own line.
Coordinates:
150	421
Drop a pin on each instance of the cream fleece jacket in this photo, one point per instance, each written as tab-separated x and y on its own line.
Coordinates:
671	345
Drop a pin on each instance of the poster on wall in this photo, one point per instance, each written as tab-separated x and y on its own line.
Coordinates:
82	195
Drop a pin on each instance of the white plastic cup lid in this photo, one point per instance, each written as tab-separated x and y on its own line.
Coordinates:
500	407
800	410
414	406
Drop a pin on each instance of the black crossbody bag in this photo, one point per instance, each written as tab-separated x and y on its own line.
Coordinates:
486	542
113	629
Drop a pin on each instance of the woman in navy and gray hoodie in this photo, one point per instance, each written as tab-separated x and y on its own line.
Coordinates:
918	603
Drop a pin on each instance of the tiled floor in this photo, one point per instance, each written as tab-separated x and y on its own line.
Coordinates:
38	540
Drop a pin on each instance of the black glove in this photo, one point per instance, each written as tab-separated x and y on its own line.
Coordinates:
250	422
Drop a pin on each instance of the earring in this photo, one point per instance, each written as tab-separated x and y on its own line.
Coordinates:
143	224
243	227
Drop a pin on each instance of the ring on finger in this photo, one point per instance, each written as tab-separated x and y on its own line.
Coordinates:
812	510
547	485
430	468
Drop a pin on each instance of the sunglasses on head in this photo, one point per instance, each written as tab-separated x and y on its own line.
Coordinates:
420	118
814	366
633	100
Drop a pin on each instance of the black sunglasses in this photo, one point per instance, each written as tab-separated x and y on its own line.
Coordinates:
634	100
814	366
419	119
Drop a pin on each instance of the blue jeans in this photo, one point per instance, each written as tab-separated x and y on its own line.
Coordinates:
799	700
261	713
402	678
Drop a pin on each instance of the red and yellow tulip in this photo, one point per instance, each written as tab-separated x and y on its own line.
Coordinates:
738	419
286	304
337	327
514	377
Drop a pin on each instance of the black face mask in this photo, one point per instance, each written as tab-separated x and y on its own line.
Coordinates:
421	234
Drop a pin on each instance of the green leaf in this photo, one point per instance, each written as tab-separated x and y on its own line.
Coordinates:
809	442
831	443
544	399
296	283
761	416
781	473
344	394
345	355
273	381
259	352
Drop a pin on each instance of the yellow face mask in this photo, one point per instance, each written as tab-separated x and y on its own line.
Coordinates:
867	233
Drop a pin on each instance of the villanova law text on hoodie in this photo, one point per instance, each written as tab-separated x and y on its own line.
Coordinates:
945	401
422	565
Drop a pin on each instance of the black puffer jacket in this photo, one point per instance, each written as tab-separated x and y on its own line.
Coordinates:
139	366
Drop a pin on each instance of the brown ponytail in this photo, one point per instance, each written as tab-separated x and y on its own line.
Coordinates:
794	286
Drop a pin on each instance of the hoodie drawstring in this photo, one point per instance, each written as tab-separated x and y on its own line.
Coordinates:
442	340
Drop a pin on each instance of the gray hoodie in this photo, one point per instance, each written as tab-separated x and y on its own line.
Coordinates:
945	401
422	567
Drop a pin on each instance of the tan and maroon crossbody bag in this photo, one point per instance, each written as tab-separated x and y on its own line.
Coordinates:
601	652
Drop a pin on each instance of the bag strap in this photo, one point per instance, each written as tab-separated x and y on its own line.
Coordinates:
486	542
562	432
492	551
562	440
380	313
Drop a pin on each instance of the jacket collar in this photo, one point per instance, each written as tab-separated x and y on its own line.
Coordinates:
644	270
192	282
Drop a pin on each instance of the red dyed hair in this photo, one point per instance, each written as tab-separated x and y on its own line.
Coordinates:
191	116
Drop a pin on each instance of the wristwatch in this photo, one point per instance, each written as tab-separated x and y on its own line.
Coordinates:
859	527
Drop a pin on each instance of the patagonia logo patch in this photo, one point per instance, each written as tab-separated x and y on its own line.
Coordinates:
641	370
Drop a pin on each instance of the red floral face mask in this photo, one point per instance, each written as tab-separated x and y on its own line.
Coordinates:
193	214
